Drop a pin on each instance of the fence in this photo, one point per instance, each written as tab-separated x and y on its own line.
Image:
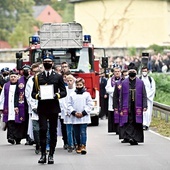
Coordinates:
163	109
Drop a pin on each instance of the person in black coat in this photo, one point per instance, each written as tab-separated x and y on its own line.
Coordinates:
48	106
103	97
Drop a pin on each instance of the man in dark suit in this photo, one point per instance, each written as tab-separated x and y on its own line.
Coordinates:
48	104
103	97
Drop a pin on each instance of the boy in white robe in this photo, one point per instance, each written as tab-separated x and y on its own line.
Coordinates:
79	106
70	80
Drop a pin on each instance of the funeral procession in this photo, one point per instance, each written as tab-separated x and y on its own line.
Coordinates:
85	84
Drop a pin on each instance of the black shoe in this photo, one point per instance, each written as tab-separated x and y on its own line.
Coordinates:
125	141
37	149
12	141
29	142
146	128
65	146
133	142
18	141
50	159
70	149
42	159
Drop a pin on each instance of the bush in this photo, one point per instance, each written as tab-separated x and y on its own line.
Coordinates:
162	88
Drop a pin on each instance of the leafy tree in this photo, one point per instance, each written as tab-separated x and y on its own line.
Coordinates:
11	13
17	22
42	2
68	14
65	9
132	51
162	88
22	31
158	49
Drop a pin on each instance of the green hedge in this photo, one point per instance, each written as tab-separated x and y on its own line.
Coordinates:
162	87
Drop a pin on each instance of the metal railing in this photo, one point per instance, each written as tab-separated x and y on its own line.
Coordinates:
163	109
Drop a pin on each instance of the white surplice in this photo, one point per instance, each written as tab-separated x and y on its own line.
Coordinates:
150	91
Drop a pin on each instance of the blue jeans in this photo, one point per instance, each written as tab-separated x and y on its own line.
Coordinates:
80	132
70	135
36	129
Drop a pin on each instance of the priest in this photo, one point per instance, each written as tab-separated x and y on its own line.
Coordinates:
133	102
10	111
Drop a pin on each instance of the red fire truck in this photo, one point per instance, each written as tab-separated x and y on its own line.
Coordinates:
65	42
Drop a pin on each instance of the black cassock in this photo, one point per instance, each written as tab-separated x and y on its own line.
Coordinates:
131	129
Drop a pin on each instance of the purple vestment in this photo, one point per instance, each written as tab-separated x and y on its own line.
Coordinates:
117	112
18	117
21	104
138	101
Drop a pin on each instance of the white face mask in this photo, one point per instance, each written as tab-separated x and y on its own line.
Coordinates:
144	74
126	76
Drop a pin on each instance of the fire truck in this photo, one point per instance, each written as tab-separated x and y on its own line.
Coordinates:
65	41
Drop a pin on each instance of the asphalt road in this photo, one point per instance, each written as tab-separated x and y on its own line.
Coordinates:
104	152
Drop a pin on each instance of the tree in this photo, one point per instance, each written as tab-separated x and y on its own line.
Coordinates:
17	21
22	32
65	9
12	13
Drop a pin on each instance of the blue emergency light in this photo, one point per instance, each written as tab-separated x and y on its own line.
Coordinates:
35	39
87	38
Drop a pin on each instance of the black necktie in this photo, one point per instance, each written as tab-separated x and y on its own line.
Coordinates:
48	74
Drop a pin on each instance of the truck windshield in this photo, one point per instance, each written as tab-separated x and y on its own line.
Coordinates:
83	64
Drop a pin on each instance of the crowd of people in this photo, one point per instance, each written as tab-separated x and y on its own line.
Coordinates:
36	99
127	101
156	62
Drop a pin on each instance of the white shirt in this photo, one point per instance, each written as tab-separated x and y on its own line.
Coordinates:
11	112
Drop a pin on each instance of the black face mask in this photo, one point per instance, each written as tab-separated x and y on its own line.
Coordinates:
5	74
80	90
25	73
47	65
132	74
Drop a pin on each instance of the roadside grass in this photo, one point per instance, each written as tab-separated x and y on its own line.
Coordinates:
160	126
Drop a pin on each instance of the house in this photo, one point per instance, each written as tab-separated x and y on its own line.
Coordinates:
124	23
46	13
4	45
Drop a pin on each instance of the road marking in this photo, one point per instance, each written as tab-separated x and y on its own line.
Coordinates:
159	134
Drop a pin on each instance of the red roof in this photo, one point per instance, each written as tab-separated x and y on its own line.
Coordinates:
4	44
48	14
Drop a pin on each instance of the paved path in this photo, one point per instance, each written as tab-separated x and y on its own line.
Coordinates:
105	152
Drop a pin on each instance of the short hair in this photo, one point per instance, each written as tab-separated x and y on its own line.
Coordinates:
64	63
56	66
144	67
34	65
124	71
78	80
66	73
70	77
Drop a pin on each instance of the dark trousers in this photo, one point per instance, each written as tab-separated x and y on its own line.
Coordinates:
104	107
52	117
64	131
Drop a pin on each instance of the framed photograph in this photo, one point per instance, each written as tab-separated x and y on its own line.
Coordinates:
47	92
